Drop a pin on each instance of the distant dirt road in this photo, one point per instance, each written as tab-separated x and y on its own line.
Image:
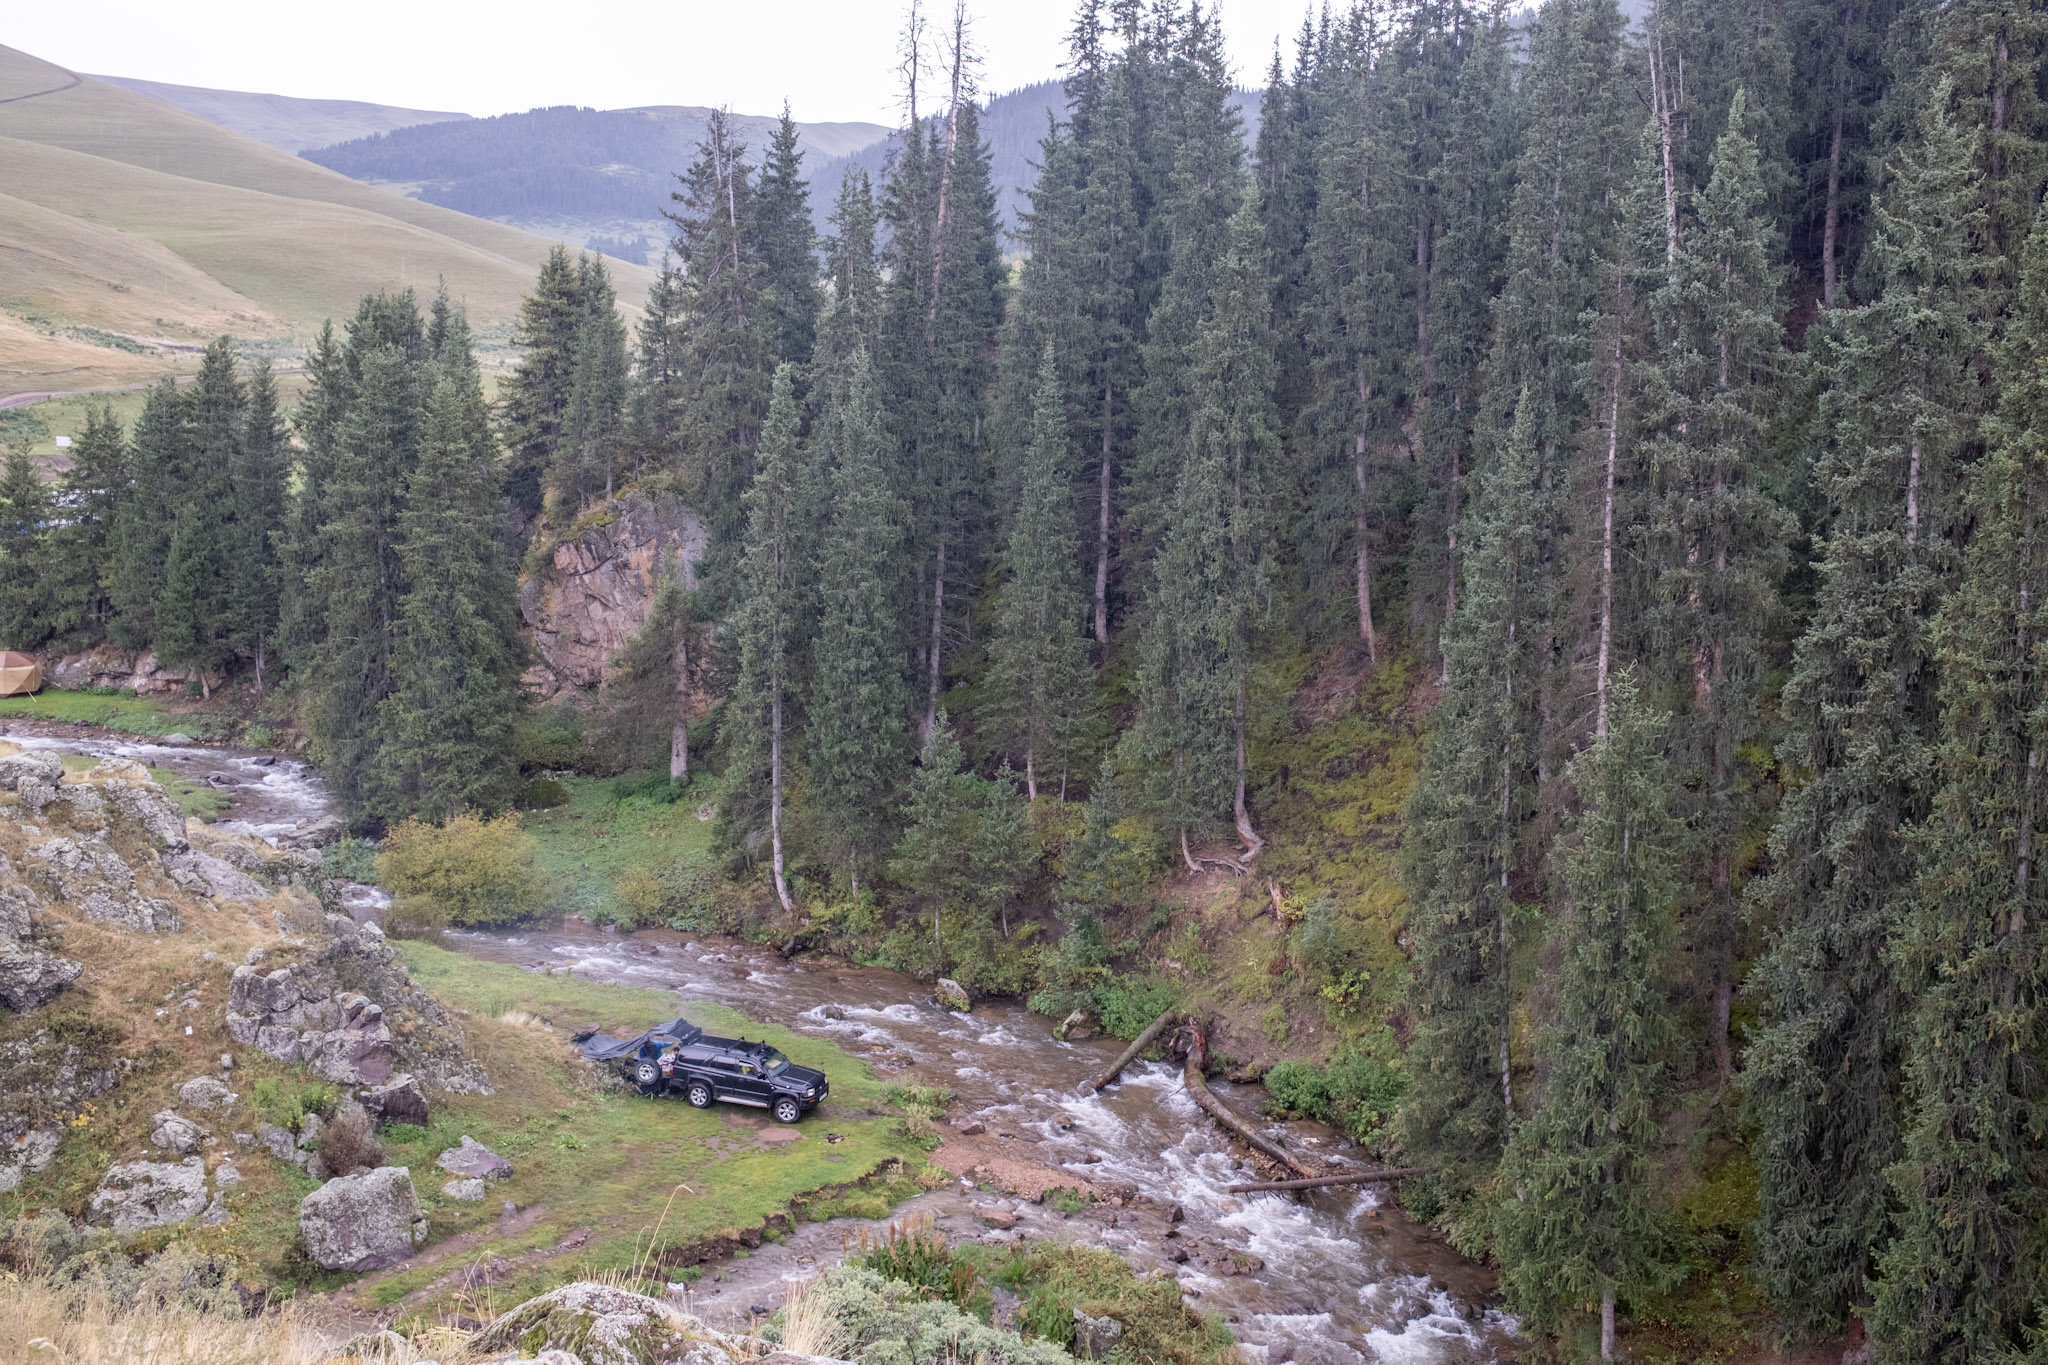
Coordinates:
38	94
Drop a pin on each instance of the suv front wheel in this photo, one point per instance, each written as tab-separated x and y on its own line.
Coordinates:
787	1110
699	1095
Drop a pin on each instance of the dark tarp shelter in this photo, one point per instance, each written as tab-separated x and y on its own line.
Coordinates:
599	1047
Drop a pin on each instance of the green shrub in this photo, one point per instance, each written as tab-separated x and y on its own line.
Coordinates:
470	872
914	1252
352	860
550	739
1127	1007
543	793
286	1102
682	895
1298	1090
1357	1091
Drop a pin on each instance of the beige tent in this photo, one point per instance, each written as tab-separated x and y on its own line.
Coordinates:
19	674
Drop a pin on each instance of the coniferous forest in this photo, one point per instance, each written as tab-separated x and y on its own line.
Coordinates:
1668	396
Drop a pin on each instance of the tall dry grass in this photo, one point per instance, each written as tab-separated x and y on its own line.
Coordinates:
54	1323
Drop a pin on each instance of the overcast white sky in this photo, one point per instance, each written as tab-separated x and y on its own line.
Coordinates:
831	58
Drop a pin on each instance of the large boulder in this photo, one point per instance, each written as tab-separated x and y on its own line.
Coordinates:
601	1325
206	1094
398	1100
175	1133
30	978
33	776
951	995
363	1221
137	1195
473	1159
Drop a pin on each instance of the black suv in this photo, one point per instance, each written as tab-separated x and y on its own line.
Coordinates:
680	1057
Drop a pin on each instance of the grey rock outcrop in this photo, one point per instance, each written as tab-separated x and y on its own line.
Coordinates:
601	1324
398	1100
137	1195
592	592
175	1133
206	1094
470	1191
30	977
364	1221
1095	1338
277	1141
96	881
473	1159
332	1010
44	1077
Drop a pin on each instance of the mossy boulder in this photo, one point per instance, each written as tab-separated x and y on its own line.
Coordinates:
600	1325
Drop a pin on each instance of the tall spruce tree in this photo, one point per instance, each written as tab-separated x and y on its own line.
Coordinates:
1584	1219
1210	584
592	438
144	521
258	485
1038	658
789	261
769	622
27	596
859	732
302	545
1900	412
1708	394
93	490
539	395
1463	846
443	736
727	354
360	580
1958	1280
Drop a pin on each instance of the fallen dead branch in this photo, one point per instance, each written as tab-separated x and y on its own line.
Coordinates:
1130	1054
1198	1089
1316	1182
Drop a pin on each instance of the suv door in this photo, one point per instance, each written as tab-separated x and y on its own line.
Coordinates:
742	1083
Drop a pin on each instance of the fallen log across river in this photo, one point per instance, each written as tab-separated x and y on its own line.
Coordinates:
1115	1068
1198	1090
1316	1182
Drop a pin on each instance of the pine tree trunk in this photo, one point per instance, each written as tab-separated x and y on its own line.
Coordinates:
1194	868
1607	543
1607	1322
1660	98
775	794
1030	780
1245	833
1364	570
931	704
679	726
1831	223
1102	533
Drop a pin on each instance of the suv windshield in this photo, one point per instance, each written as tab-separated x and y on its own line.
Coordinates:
773	1063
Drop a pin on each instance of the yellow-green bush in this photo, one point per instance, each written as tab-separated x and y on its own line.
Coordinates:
471	872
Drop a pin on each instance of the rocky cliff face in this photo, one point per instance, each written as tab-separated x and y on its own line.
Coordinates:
596	583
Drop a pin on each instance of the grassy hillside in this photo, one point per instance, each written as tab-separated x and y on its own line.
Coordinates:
282	121
131	230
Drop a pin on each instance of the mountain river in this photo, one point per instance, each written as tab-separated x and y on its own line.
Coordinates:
1337	1277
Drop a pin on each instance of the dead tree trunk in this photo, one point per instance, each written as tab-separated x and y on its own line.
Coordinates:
1198	1090
1130	1054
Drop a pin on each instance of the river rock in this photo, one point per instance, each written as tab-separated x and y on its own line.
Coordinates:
363	1221
601	1325
30	978
1077	1027
398	1100
136	1195
175	1133
206	1094
315	834
1095	1338
951	995
472	1158
470	1191
176	739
